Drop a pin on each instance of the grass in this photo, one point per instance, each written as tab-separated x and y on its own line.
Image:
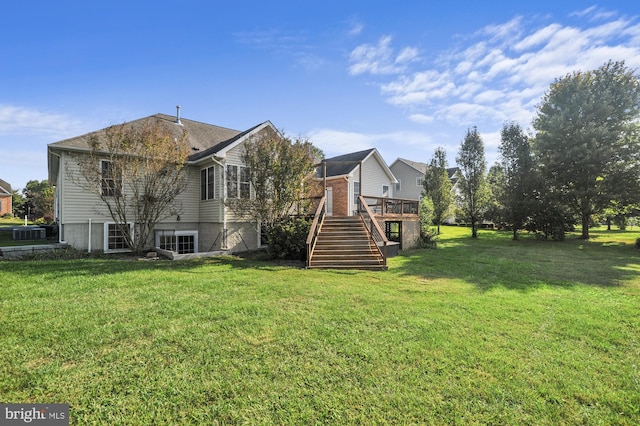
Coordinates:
487	331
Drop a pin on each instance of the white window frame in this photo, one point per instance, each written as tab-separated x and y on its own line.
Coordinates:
117	181
386	193
237	182
207	183
106	239
194	234
419	181
398	185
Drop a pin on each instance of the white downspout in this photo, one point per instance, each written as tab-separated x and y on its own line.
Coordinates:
89	244
223	211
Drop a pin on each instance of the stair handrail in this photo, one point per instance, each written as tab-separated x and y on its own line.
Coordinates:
318	219
373	228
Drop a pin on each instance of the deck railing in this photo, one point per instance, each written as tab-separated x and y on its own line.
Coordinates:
375	232
382	206
318	219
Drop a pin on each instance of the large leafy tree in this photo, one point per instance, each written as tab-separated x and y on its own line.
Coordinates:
516	158
38	200
137	170
437	186
587	141
471	178
281	175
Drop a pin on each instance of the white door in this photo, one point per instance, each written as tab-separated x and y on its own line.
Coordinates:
329	201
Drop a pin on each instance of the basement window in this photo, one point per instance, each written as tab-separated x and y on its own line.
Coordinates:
114	239
181	242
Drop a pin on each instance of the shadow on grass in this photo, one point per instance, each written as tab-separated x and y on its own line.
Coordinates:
491	261
494	260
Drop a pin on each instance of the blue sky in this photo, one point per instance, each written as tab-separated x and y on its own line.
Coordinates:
403	76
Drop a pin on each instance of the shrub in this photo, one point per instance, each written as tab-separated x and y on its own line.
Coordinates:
638	243
288	239
428	240
7	216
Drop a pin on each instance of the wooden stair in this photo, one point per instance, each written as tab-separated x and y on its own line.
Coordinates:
344	243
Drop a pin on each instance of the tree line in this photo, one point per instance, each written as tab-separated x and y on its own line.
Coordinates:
581	161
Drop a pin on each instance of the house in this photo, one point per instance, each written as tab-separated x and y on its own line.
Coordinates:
5	198
410	175
365	173
204	222
350	175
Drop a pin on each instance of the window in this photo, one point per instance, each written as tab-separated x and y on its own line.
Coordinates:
398	186
114	239
385	190
356	192
207	183
419	181
245	183
238	183
110	181
181	242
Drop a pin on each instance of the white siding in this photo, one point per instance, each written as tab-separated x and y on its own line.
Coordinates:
78	204
211	210
373	178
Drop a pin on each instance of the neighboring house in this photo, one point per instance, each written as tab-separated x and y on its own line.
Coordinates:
410	175
204	223
350	175
5	198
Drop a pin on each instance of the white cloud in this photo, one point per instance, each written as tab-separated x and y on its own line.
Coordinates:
336	142
26	121
355	27
503	69
421	118
380	58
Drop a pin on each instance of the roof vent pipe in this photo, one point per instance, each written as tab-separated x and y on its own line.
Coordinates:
178	114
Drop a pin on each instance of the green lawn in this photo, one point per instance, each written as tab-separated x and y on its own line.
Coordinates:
488	331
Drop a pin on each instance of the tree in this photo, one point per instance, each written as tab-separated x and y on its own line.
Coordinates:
496	186
519	173
437	186
38	200
18	204
471	177
137	170
587	143
279	173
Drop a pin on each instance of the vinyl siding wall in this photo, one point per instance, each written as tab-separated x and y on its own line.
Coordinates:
373	178
407	176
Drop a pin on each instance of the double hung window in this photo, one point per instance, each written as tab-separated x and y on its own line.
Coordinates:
207	183
238	182
110	179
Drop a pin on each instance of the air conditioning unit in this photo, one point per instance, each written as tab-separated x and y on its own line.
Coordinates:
29	233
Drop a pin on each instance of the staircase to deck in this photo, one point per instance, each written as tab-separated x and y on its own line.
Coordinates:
343	242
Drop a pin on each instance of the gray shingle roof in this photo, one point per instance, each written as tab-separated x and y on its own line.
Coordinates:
344	164
421	167
204	139
4	186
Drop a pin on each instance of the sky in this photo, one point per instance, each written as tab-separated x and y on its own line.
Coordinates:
404	77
